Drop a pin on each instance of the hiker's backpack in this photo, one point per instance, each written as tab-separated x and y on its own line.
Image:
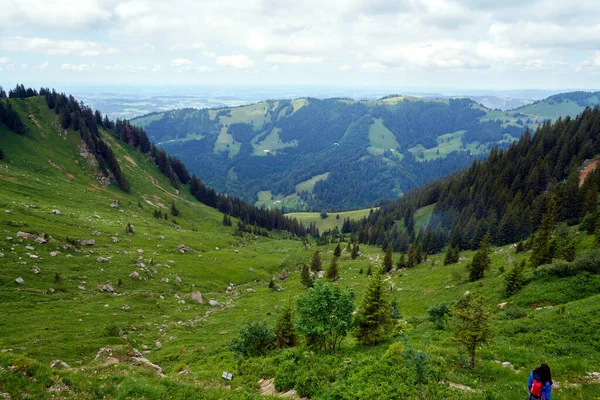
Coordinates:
536	388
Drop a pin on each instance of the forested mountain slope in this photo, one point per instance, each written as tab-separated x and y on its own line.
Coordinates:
339	153
507	194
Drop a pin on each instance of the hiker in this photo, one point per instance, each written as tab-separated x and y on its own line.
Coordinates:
540	383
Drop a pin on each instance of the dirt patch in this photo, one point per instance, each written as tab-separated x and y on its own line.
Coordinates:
586	171
464	388
267	388
131	160
70	175
31	117
157	197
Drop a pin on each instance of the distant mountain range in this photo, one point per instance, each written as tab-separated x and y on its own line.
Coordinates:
342	153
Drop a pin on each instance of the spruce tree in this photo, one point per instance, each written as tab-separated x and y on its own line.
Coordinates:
285	334
541	252
129	229
315	263
333	272
374	318
369	271
338	251
401	261
387	259
481	259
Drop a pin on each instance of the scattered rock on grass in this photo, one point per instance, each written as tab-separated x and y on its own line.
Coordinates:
197	296
134	275
19	281
41	240
58	364
56	212
25	235
213	303
87	242
53	253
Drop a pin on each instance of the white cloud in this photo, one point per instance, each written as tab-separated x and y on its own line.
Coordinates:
62	14
345	67
78	67
184	64
55	47
373	66
4	60
291	59
240	61
181	62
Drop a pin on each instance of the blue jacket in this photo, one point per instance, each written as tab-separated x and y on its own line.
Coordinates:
546	387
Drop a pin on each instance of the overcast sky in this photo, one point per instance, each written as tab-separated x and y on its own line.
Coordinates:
484	44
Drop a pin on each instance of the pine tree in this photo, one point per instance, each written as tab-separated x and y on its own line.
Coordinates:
129	229
401	261
369	271
481	259
338	251
315	263
471	323
541	252
285	334
374	318
333	272
452	255
387	259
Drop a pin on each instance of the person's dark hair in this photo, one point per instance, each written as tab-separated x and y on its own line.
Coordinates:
544	373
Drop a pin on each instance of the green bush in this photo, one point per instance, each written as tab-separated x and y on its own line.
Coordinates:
254	339
587	263
438	314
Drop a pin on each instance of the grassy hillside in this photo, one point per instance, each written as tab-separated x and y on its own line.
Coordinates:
63	310
332	220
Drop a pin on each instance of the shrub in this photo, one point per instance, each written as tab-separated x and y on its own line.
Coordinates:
438	314
395	352
254	339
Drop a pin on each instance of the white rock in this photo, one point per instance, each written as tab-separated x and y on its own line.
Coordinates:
213	303
177	279
101	259
250	290
1	255
161	297
58	364
35	270
20	281
165	280
197	296
56	212
126	308
134	275
216	248
53	253
140	251
30	248
502	305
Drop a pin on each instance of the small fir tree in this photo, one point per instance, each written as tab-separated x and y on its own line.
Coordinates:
129	229
514	280
387	259
338	251
174	209
374	317
540	249
305	277
315	263
285	333
333	272
481	259
355	251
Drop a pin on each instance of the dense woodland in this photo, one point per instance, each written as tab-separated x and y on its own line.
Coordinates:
331	136
506	195
75	115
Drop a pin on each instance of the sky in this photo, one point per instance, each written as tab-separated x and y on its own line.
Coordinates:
470	44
